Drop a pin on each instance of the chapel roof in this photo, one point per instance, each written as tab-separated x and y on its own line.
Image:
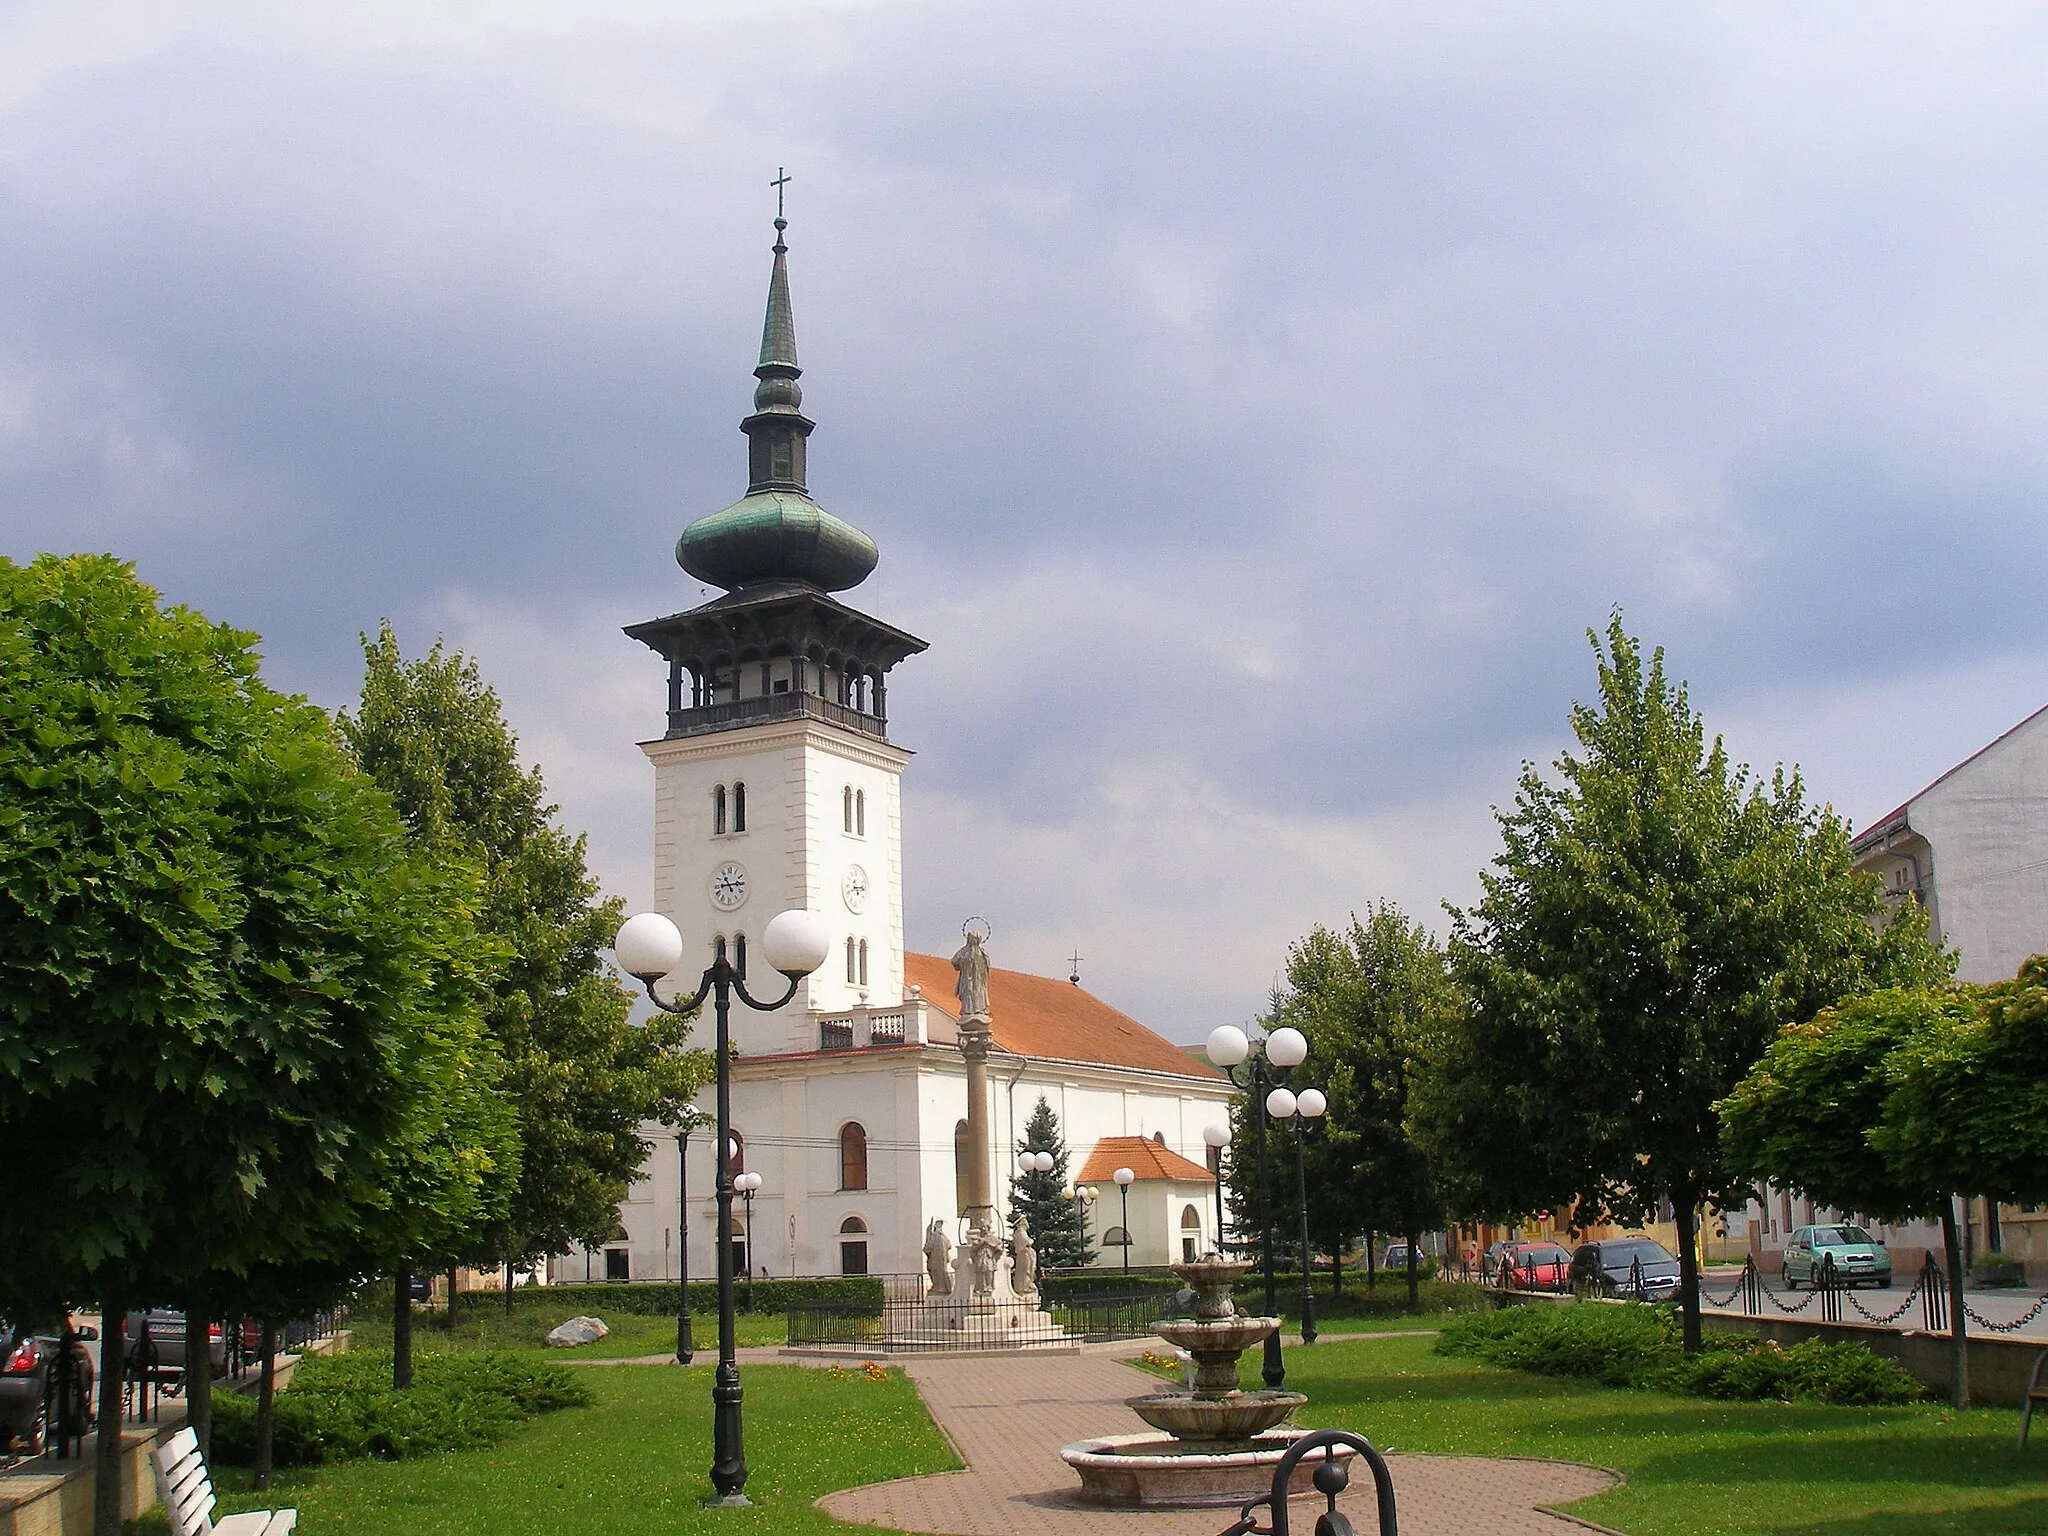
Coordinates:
1056	1020
1144	1157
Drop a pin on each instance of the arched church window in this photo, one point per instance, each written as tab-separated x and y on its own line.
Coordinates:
863	962
736	1163
860	813
852	964
718	811
1190	1234
718	947
846	809
739	954
853	1246
739	807
960	1145
853	1156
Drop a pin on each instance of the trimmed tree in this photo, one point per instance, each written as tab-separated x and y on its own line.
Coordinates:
1058	1228
220	960
1656	915
1814	1115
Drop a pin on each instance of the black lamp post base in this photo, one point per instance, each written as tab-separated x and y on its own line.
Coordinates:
728	1501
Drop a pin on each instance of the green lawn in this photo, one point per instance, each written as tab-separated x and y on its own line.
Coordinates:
637	1463
1694	1468
527	1327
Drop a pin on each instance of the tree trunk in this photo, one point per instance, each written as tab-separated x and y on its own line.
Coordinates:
1372	1259
266	1404
448	1319
1414	1242
106	1494
508	1287
401	1330
1958	1330
1684	1216
1337	1267
198	1377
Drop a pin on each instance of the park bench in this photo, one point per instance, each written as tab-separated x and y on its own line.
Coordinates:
187	1494
2036	1393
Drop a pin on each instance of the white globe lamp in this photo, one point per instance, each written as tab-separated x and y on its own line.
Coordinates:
1216	1135
1281	1104
795	943
1287	1047
1228	1045
649	946
1311	1104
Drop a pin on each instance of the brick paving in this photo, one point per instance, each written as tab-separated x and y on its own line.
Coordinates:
1008	1418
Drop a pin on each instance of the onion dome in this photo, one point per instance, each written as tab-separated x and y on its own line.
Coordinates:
776	533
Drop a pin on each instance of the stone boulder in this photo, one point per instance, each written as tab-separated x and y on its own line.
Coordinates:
578	1330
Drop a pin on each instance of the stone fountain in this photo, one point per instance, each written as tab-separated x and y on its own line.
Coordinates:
1220	1444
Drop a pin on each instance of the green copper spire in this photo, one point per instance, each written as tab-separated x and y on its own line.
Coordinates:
776	532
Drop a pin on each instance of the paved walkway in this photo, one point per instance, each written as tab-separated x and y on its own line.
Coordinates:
1009	1417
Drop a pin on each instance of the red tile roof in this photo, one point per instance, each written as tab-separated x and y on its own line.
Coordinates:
1143	1156
1056	1020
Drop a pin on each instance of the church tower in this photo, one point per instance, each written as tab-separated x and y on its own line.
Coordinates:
775	783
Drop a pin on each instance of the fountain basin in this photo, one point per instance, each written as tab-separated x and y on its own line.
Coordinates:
1195	1418
1160	1472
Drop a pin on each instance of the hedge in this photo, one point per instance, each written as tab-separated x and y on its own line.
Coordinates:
659	1298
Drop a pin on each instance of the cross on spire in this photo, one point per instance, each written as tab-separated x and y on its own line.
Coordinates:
781	180
1075	960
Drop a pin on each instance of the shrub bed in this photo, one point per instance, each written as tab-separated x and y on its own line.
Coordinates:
1632	1345
342	1407
659	1299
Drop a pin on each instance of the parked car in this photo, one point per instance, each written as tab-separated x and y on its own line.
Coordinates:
165	1347
27	1373
1396	1259
1489	1262
1608	1267
1535	1266
1859	1258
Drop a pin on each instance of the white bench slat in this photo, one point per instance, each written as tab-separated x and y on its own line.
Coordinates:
188	1499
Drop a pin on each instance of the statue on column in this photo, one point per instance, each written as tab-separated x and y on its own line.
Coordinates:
985	1252
970	986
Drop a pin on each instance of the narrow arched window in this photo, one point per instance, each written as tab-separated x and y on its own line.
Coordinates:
853	1246
853	1156
863	962
739	954
718	947
860	813
846	808
739	807
852	967
737	1161
718	811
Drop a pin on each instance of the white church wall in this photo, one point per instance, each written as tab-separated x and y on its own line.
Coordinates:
1988	825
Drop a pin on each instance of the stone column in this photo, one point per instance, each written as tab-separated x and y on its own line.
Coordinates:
974	1043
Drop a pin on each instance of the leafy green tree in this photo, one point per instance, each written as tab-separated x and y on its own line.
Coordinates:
221	959
1821	1114
1656	915
581	1077
1374	1001
1058	1228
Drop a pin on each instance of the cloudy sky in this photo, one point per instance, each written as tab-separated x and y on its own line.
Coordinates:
1254	405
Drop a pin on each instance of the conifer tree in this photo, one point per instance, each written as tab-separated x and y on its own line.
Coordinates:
1054	1221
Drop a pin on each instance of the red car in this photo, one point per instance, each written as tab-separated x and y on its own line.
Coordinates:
1535	1266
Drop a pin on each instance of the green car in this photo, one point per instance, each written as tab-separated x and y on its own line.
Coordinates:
1859	1258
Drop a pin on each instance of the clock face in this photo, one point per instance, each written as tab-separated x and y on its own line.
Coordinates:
729	887
854	888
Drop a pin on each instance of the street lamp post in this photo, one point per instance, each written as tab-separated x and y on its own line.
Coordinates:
1218	1136
1123	1177
1309	1104
686	1347
649	948
1258	1067
746	1184
1084	1196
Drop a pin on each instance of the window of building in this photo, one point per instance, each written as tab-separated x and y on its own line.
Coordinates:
863	962
960	1145
737	1236
739	954
718	811
846	808
853	1246
739	807
718	951
852	963
1190	1234
618	1264
737	1162
853	1156
1116	1237
860	813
